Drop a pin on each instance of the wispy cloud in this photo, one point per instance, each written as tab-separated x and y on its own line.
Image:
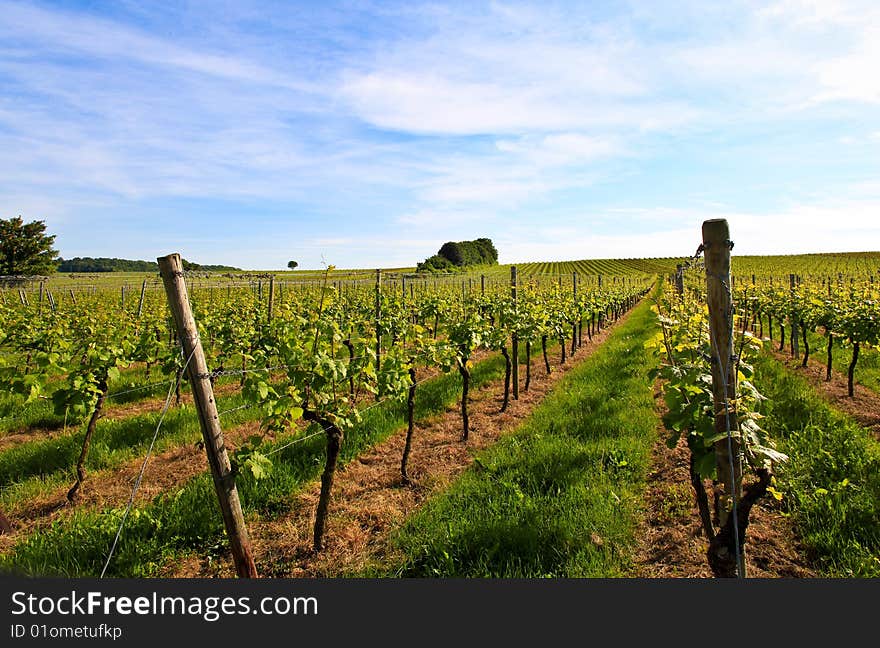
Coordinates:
359	129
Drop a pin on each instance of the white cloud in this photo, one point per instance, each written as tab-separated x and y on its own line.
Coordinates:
65	31
560	148
853	76
478	115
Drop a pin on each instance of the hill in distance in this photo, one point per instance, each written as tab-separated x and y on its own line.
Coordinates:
105	264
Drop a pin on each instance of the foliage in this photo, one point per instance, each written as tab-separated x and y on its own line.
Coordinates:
686	355
106	264
25	248
463	253
436	263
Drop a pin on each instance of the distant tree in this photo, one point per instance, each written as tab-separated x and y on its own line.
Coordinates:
106	264
459	254
292	264
25	249
435	263
453	253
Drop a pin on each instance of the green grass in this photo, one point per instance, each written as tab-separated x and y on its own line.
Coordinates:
832	482
560	496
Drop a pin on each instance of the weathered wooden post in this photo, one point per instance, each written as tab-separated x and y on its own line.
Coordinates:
728	451
171	270
271	299
580	323
795	350
378	323
141	300
514	336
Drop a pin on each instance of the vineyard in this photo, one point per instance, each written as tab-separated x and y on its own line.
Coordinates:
587	418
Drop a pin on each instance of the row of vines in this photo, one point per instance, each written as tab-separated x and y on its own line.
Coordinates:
310	364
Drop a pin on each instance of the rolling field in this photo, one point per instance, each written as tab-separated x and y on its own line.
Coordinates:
535	422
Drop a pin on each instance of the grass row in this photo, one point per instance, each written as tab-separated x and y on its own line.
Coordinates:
559	497
32	469
832	481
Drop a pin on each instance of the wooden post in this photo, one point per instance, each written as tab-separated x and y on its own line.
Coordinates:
171	269
514	336
483	285
717	244
378	323
795	350
141	300
122	298
575	339
679	280
42	288
271	299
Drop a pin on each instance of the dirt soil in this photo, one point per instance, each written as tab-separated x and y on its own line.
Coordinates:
672	543
863	406
369	498
112	487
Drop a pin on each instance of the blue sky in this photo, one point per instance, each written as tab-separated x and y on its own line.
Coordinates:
366	134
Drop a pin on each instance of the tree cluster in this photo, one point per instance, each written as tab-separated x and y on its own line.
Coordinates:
454	255
25	249
105	264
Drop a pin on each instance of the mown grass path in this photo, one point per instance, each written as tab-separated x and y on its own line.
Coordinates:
561	495
832	482
370	499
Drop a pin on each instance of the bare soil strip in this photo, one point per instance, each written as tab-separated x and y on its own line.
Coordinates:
864	406
672	541
112	487
370	500
672	544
